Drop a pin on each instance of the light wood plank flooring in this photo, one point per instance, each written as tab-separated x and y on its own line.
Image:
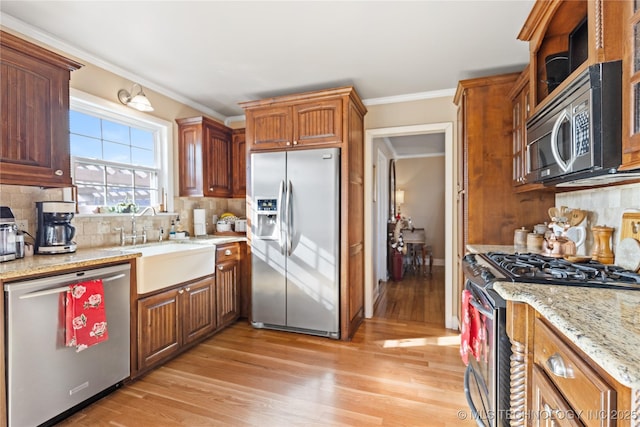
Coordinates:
395	372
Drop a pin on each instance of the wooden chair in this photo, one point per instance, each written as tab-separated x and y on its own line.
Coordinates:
417	248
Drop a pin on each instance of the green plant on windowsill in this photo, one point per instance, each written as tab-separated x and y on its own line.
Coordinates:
124	207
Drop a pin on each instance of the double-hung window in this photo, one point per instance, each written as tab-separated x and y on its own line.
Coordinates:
119	157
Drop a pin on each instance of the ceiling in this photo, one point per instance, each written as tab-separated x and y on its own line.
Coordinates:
213	54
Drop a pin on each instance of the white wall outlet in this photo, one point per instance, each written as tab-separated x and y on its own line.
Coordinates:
22	224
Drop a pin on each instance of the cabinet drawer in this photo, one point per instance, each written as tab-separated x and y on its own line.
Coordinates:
585	391
227	252
548	404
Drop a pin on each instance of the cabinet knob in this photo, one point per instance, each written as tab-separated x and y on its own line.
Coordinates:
59	172
227	252
556	365
181	291
295	142
288	143
220	267
188	289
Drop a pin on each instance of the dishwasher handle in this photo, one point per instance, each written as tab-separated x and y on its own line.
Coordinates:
64	288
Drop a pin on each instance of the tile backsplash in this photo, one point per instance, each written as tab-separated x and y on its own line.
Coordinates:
94	230
605	206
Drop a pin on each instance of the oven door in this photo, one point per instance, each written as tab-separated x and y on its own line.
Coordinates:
480	381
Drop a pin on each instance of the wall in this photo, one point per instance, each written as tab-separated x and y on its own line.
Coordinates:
422	180
605	207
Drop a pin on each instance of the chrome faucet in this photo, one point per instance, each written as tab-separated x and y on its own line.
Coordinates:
143	211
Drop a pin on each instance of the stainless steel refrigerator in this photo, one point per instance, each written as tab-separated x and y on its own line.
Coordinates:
295	236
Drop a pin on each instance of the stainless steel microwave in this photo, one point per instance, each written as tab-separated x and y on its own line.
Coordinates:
578	134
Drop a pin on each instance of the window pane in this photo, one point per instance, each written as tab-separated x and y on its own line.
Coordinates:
85	147
84	124
142	138
142	157
143	179
119	177
115	132
120	197
91	195
142	197
636	6
89	174
119	153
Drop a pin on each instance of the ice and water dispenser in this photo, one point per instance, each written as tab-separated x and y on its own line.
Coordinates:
266	218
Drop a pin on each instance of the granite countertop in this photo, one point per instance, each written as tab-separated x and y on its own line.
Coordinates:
45	264
603	323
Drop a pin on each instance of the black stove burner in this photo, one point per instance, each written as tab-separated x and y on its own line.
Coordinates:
536	268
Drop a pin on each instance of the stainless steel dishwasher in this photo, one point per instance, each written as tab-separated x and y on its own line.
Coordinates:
46	379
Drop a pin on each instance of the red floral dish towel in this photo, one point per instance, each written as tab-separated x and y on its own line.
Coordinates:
472	330
86	319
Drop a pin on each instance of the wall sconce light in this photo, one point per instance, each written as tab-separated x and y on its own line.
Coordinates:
399	199
137	100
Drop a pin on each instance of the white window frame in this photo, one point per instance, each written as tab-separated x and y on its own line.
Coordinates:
102	108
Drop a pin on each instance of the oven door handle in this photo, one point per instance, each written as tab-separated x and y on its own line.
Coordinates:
467	392
481	309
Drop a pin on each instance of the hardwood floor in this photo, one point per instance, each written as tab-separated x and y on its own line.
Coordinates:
395	372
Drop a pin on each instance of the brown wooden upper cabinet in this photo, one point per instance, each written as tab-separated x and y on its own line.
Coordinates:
208	159
239	164
34	140
302	123
631	88
565	37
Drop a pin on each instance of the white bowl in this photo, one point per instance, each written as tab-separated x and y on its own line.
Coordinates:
223	226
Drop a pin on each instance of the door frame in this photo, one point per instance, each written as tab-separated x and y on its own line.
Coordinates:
450	320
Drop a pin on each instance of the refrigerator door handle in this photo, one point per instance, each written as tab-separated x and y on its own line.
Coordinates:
289	218
279	217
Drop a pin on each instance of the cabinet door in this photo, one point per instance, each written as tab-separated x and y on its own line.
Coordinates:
549	406
239	164
158	328
271	128
227	283
217	161
318	122
34	137
198	314
631	90
190	160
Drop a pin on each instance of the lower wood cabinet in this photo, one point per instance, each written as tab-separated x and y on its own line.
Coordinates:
227	280
561	385
175	318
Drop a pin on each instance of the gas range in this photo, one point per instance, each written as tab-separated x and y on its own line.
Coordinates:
540	269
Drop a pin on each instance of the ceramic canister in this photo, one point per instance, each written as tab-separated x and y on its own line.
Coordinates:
520	237
534	242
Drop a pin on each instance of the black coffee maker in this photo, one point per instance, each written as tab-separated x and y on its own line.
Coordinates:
55	232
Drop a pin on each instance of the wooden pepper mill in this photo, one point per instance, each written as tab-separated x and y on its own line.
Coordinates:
602	244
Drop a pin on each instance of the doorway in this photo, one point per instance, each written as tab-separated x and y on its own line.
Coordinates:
375	193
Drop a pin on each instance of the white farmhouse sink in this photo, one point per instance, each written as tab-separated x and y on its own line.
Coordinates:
169	264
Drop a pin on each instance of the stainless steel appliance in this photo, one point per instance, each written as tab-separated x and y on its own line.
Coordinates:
55	232
578	134
8	231
487	378
45	379
295	237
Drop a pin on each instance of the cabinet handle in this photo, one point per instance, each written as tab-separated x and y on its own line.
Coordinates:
220	267
227	252
556	365
59	172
